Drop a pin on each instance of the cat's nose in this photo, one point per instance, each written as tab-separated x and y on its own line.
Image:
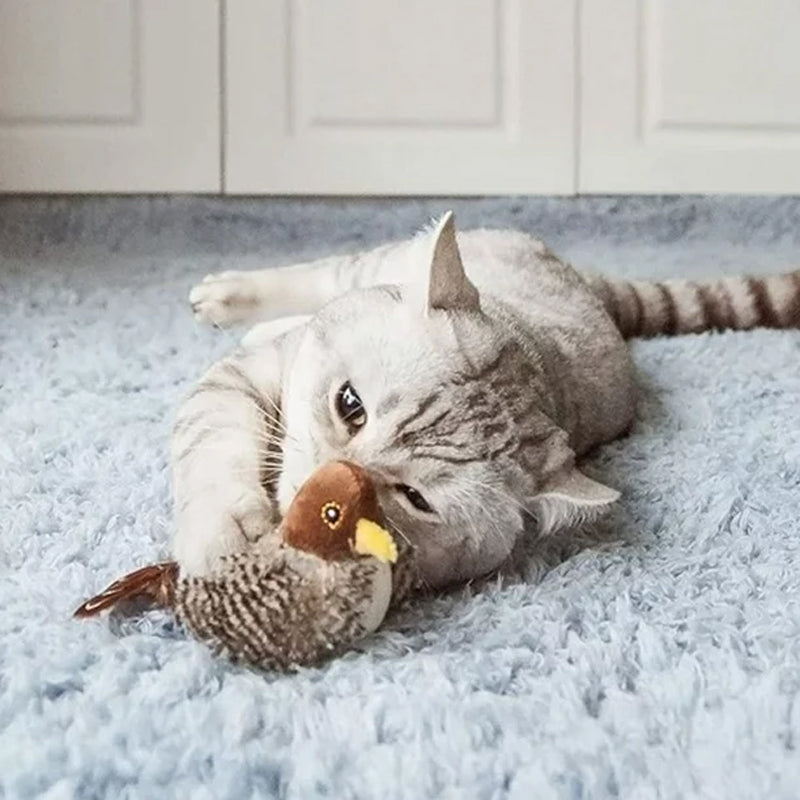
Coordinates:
379	477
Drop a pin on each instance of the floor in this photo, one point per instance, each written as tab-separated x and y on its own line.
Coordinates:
657	655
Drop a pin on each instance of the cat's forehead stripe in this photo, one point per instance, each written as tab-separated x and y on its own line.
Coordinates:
471	380
390	402
393	292
421	408
469	419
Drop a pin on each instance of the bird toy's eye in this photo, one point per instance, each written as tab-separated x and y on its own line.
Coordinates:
350	408
332	515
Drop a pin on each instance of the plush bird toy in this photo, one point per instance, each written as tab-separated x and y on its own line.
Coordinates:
328	580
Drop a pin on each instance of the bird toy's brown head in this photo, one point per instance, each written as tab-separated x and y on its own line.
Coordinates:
336	515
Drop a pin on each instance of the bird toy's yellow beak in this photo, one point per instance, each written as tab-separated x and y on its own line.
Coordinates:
373	540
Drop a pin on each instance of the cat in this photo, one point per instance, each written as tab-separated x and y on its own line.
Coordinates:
467	372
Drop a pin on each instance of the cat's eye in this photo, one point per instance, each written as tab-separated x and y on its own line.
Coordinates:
350	408
415	498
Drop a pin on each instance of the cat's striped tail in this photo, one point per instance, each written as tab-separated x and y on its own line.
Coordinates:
642	308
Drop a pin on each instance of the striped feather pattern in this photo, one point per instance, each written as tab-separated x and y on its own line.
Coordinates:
276	611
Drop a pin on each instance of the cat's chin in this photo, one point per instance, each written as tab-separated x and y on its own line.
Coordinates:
292	477
442	566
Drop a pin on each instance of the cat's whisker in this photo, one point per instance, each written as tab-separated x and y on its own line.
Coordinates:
247	473
277	409
282	430
466	488
274	421
264	455
462	491
471	483
270	441
268	458
397	528
262	436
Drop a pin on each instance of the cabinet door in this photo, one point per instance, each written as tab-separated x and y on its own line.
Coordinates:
687	96
400	96
118	95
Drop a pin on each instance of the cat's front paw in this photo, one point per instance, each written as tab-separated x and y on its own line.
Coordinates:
215	525
226	298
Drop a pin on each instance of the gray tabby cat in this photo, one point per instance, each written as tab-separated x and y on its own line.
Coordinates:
466	373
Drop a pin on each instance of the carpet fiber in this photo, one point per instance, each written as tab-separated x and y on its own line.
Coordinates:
657	655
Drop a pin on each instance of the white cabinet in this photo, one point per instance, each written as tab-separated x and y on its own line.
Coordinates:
690	96
109	95
400	96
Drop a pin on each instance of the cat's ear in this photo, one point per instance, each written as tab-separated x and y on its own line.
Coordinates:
570	497
449	288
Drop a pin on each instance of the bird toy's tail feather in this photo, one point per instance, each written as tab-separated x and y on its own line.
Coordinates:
155	583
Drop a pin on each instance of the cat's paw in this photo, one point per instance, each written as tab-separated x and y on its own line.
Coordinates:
225	298
216	525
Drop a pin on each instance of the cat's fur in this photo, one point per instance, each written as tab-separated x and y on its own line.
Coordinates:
486	366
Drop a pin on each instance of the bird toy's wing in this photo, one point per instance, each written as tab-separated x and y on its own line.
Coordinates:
405	573
155	582
276	611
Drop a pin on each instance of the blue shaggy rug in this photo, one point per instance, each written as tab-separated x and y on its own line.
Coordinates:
656	655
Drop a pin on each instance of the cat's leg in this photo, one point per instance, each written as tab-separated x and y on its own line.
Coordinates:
223	454
226	298
264	332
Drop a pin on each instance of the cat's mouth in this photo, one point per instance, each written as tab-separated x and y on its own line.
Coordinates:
405	506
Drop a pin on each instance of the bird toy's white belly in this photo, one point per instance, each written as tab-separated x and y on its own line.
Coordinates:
380	597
